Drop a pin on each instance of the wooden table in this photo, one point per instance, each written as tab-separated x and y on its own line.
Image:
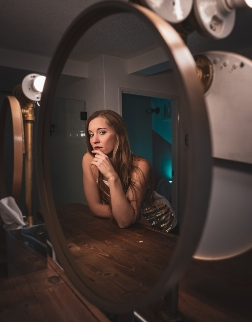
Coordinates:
125	263
45	295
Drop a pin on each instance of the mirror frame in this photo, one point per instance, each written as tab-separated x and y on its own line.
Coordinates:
199	160
10	102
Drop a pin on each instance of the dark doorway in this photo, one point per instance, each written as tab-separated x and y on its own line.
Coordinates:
149	125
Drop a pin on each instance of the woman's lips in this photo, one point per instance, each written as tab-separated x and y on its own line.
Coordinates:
97	148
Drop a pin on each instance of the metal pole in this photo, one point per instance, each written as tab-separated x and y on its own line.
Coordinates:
29	118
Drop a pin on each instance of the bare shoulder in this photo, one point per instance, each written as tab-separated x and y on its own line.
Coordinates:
89	170
142	164
87	158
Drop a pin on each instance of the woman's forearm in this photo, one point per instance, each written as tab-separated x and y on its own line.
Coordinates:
99	210
122	210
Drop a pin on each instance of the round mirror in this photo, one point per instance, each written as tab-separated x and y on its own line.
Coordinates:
194	168
11	157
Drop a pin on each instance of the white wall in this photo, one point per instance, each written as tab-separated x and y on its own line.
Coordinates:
38	64
118	80
107	78
99	84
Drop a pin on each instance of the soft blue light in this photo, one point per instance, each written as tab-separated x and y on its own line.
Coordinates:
166	168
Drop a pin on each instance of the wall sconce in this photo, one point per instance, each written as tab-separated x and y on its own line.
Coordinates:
32	86
216	19
21	105
173	11
27	94
153	110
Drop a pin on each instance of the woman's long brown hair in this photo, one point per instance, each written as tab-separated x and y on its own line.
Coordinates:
123	161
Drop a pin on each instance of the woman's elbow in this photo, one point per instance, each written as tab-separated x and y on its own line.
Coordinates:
126	222
124	225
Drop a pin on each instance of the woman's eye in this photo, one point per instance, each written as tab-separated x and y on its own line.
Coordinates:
91	135
102	132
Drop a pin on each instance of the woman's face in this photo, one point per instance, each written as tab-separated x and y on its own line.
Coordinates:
102	136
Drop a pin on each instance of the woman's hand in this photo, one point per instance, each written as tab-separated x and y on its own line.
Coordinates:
125	207
102	162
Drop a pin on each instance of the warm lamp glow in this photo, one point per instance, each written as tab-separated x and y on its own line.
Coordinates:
32	86
233	4
38	83
249	3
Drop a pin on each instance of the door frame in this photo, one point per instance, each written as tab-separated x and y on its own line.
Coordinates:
175	134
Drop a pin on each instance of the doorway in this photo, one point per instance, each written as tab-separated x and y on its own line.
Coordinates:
152	134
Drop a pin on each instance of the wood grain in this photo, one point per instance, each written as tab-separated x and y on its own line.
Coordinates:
125	263
43	296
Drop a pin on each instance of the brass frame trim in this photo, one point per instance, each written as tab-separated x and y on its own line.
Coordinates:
199	160
18	144
204	70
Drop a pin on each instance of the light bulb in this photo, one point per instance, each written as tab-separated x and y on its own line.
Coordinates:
38	83
233	4
249	3
32	86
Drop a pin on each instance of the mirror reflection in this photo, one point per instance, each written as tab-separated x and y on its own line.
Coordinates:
116	168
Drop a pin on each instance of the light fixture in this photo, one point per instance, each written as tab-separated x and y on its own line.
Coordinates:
153	110
173	11
32	86
216	19
233	4
27	94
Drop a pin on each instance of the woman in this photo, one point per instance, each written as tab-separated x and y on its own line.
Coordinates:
117	183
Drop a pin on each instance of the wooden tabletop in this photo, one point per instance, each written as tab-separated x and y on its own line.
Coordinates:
129	261
125	263
45	295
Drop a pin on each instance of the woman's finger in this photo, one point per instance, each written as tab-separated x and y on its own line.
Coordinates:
98	152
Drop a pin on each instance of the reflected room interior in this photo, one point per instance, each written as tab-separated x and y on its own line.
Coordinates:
108	84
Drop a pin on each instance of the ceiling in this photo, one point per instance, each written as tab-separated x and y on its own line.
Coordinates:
37	26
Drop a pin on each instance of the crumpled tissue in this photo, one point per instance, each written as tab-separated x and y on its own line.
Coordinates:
11	214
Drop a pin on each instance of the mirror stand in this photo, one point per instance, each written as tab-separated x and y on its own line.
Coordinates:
169	309
165	310
126	318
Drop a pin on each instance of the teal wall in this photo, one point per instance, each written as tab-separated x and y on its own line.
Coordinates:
150	134
162	122
138	123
